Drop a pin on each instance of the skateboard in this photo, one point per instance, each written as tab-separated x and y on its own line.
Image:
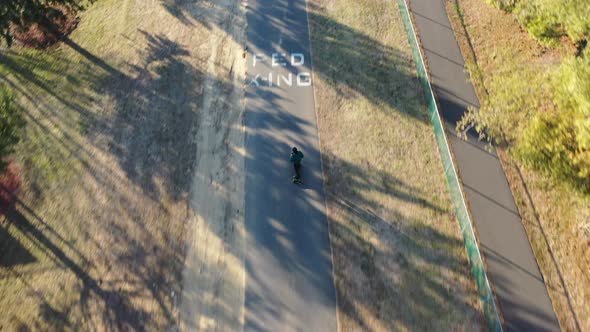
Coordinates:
296	180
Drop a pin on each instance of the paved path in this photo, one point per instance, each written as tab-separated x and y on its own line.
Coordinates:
289	285
512	268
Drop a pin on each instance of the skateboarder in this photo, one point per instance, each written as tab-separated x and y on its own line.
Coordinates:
295	158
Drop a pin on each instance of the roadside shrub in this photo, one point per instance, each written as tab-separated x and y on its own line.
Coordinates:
20	15
507	5
554	140
58	23
558	142
539	22
572	92
551	145
572	15
11	122
516	93
548	20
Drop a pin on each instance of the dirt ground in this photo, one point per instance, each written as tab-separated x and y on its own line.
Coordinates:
214	275
128	163
399	259
556	219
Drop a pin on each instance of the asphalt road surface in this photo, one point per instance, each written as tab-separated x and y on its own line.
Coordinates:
289	283
512	268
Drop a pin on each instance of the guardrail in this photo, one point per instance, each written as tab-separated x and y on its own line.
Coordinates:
490	310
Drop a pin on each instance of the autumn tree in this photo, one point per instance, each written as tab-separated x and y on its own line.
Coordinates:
22	13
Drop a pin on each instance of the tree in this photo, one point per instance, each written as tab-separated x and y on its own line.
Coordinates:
558	142
23	13
548	20
516	93
542	115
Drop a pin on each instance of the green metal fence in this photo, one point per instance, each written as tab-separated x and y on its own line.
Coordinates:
477	267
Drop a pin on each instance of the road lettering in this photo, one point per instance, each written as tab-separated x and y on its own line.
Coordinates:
274	78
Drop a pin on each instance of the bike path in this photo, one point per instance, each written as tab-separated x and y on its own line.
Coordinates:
289	285
511	266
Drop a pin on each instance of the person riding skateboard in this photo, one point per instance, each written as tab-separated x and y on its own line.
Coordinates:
295	158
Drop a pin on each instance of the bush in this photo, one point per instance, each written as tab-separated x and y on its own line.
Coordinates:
548	20
572	86
11	122
573	15
540	22
17	16
554	140
559	142
551	145
42	35
507	5
516	93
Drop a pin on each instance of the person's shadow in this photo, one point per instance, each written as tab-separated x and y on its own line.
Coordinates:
303	176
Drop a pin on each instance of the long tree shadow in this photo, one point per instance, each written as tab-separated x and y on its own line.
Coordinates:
402	270
348	59
156	111
356	64
150	135
155	101
392	263
408	273
403	284
13	252
119	313
205	13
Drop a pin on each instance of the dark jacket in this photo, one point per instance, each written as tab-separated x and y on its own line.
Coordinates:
296	157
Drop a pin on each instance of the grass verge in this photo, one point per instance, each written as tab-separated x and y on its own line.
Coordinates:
111	162
399	258
556	218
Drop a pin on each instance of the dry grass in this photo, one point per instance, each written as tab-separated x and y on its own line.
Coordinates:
399	258
556	218
111	161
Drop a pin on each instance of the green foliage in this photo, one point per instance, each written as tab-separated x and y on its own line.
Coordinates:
540	22
559	142
572	84
11	122
507	5
553	141
572	15
514	98
22	13
547	20
551	145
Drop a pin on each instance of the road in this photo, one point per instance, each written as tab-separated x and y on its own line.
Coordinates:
289	282
512	268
